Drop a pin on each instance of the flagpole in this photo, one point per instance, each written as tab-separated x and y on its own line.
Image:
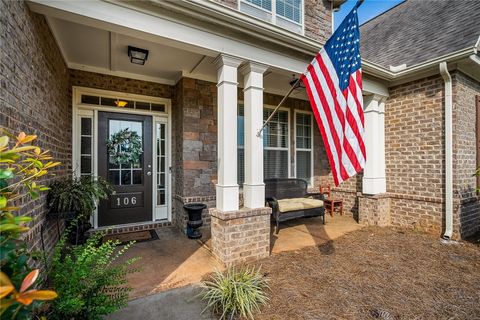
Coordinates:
294	86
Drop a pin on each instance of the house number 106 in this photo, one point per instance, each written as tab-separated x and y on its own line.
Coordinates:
127	201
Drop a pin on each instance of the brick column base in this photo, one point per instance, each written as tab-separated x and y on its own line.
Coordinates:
374	210
242	235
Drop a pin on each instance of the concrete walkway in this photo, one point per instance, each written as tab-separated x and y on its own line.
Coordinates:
176	304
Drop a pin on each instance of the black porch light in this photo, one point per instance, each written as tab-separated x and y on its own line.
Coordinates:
137	55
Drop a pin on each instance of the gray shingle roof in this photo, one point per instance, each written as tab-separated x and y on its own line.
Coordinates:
419	30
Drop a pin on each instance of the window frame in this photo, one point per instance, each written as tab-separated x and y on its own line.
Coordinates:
310	182
273	14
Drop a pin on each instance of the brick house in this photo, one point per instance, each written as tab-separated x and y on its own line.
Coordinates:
214	71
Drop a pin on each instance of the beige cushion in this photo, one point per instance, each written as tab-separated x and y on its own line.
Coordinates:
287	205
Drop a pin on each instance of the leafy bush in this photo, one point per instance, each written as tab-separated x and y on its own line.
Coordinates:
21	164
235	292
88	281
80	195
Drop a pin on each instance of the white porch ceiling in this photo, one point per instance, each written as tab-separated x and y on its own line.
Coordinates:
97	50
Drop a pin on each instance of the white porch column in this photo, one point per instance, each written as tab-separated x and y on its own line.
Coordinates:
227	186
374	181
253	186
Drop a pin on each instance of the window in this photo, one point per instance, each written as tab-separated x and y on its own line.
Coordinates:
121	103
86	146
287	14
290	9
275	145
303	146
264	4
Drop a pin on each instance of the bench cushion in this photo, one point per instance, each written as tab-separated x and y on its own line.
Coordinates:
294	204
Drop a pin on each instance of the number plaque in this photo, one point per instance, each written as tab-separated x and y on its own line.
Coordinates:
126	200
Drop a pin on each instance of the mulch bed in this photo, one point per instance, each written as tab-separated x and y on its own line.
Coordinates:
376	273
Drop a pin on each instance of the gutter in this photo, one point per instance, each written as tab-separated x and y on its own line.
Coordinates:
448	151
386	74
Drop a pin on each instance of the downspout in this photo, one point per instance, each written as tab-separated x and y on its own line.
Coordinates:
448	152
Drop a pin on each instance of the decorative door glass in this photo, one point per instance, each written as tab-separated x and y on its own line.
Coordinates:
161	163
125	152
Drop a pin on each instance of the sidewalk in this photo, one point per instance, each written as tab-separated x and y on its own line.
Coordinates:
176	304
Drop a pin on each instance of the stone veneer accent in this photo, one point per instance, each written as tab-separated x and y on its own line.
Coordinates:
195	149
240	236
34	99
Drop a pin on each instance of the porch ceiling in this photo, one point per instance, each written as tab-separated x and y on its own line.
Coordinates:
93	49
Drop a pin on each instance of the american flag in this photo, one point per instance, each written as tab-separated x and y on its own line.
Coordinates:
333	81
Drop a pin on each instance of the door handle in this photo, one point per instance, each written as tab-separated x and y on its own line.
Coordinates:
149	173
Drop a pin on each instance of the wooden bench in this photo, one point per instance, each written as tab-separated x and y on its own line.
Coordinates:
289	199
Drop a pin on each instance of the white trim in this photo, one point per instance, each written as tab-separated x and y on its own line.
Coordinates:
312	167
91	111
127	19
122	74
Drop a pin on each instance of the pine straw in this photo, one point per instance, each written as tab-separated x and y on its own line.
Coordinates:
376	273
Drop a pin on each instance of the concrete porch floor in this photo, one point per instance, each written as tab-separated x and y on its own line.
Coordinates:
175	261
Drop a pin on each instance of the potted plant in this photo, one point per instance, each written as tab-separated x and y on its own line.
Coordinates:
74	200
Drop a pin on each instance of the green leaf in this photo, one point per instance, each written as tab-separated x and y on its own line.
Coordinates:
8	156
6	174
33	194
8	227
3	202
3	141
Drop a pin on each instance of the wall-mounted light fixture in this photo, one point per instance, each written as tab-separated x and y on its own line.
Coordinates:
137	55
121	103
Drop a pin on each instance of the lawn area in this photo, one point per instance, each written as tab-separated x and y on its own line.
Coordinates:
376	273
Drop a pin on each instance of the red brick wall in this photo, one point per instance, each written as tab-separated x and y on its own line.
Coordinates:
467	203
33	97
414	151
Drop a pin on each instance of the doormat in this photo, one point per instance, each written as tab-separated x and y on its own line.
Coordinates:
137	236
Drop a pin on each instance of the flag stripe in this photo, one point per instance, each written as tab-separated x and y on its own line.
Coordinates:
334	86
332	138
323	133
348	158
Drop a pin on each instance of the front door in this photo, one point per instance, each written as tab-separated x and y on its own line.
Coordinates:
124	160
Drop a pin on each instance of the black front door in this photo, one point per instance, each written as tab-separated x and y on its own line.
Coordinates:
126	166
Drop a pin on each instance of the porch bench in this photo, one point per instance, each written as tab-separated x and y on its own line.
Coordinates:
289	199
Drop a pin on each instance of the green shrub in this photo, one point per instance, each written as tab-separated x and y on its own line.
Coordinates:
80	195
88	281
21	166
235	292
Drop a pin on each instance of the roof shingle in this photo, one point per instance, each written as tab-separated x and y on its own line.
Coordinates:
419	30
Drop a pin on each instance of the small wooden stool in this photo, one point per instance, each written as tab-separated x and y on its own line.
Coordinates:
330	205
329	202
